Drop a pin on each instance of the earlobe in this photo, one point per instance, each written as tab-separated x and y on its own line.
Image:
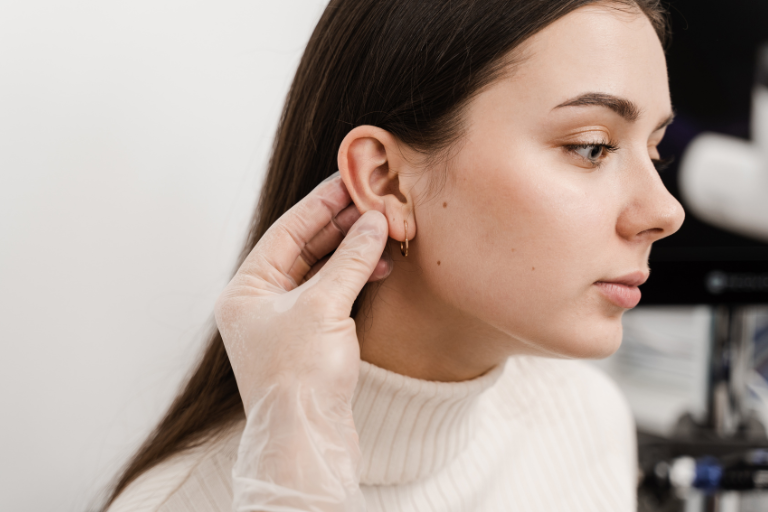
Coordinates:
371	166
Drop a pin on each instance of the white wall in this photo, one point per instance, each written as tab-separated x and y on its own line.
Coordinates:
133	139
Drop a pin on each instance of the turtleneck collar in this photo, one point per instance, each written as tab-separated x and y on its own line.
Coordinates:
411	428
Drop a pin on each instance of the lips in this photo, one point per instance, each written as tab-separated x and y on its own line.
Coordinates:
623	291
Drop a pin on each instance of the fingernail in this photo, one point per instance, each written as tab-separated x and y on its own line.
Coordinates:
331	177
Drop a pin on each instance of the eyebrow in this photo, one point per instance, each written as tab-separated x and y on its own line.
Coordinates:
622	106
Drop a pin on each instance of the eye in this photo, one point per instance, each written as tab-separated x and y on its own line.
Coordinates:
592	152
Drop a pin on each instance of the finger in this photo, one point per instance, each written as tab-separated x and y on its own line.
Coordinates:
383	268
353	263
381	271
323	243
314	270
285	239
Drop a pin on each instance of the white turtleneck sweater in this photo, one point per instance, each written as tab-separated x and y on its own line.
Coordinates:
534	434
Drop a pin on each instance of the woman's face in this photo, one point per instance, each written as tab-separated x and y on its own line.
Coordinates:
552	189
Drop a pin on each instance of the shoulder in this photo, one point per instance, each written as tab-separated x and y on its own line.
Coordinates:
199	476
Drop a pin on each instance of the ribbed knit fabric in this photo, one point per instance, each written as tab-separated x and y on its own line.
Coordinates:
534	434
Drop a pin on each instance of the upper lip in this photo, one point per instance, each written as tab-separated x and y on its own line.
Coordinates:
632	279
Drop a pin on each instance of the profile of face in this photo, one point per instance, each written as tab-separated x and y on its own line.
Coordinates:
550	193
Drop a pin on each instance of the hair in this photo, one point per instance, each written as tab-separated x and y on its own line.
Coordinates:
408	67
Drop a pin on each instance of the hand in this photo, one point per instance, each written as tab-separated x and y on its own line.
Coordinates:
284	316
285	322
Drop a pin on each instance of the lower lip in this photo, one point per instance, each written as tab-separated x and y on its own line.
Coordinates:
620	294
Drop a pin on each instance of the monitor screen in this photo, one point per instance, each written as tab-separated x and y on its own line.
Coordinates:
712	64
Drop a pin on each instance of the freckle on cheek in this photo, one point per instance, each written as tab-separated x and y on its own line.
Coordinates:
533	268
445	205
438	262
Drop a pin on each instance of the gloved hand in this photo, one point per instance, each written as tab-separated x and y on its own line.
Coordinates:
284	318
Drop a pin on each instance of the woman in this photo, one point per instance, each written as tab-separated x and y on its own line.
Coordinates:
508	149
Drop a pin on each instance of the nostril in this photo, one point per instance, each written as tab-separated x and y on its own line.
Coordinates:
653	233
656	231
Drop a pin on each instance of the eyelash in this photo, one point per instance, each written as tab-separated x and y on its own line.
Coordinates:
659	163
608	147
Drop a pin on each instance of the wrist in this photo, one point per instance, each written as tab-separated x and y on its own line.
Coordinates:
287	398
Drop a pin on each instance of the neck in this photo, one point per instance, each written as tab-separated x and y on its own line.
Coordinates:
404	327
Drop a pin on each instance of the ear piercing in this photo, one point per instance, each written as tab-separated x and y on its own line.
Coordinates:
404	246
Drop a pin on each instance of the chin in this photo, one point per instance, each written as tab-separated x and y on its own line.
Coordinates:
604	342
595	340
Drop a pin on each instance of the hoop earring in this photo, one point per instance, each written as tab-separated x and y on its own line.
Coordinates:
404	247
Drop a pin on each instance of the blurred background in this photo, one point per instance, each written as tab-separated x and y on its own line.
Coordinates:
133	140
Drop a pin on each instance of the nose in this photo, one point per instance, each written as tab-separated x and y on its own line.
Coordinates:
651	212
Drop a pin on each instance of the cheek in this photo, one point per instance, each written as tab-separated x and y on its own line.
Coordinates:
518	244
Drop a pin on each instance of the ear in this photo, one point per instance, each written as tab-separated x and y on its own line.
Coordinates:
371	165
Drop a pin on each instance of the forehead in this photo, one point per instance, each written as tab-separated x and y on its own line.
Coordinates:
597	48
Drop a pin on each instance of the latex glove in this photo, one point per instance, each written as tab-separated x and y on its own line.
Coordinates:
295	354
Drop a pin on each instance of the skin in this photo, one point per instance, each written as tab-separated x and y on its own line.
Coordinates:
523	229
504	257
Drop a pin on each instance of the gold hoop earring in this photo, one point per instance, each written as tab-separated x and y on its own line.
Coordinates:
404	247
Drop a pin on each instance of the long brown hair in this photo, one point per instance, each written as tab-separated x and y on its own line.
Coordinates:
405	66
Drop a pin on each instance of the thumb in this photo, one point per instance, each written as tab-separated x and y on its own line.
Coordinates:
350	266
